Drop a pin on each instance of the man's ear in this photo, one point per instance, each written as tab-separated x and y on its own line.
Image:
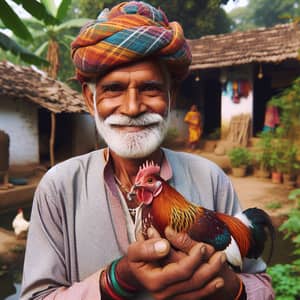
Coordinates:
88	97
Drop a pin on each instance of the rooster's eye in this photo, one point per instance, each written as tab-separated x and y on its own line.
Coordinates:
150	180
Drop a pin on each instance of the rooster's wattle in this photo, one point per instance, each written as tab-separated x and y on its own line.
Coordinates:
242	235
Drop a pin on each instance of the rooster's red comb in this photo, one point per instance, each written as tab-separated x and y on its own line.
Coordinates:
148	168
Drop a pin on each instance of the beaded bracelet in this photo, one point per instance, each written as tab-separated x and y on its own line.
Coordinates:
114	283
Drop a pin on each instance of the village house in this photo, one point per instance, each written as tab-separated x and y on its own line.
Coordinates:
44	118
237	73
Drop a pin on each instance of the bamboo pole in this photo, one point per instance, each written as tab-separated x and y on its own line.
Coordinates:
52	139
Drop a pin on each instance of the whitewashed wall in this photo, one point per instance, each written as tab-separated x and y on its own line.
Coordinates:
244	105
19	118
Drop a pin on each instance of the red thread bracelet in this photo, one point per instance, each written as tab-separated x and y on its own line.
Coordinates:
240	290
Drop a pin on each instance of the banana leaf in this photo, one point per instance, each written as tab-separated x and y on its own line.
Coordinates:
8	44
12	21
38	10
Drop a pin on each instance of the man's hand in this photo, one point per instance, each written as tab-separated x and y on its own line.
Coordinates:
214	271
180	268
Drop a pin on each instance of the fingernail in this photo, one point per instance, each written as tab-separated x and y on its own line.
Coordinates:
161	247
219	284
223	258
169	231
203	250
150	232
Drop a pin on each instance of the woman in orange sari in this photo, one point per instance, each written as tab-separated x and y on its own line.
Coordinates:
193	119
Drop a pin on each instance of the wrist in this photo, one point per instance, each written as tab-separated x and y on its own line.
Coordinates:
114	283
125	276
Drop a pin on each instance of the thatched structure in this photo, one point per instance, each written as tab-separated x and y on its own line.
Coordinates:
31	84
262	45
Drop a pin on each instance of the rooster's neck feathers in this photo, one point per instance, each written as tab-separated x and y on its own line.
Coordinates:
174	210
183	219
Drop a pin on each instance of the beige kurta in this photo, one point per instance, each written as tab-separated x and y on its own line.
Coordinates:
78	225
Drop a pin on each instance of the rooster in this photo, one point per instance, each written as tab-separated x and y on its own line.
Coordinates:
20	225
242	235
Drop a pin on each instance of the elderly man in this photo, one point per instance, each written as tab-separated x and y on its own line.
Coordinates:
82	242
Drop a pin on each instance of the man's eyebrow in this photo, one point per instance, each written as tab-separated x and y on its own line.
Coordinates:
154	83
111	83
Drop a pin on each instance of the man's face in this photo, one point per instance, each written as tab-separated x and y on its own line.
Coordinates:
133	108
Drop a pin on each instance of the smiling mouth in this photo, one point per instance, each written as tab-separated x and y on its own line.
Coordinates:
133	128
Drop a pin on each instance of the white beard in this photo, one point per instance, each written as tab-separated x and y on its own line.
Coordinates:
133	144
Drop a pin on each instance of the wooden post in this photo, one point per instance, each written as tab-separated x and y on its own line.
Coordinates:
52	139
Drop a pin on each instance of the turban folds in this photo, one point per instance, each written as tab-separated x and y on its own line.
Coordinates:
129	32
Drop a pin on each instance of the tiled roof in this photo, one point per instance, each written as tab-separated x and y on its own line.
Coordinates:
265	45
33	85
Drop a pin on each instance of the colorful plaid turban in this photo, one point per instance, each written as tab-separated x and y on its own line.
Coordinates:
129	32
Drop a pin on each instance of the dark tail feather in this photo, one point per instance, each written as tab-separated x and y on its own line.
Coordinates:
261	226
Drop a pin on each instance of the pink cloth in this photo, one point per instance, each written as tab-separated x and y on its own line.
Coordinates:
258	286
271	116
88	289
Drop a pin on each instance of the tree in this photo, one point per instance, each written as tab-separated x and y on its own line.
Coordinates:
265	13
10	20
198	18
50	37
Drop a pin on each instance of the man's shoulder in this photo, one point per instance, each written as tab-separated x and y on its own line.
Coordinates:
190	159
75	166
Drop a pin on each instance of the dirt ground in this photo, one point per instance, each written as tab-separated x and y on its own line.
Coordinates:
262	193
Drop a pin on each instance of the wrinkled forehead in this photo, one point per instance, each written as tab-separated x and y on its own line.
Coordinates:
150	69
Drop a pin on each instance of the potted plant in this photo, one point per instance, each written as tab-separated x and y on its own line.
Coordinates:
240	158
290	165
276	160
263	152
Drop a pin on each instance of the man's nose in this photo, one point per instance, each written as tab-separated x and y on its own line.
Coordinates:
132	104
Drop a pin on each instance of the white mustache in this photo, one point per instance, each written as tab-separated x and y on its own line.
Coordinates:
145	119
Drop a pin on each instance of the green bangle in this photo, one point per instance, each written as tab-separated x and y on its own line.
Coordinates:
115	285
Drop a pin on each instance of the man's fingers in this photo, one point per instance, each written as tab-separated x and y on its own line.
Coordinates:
183	242
149	250
203	293
152	233
203	280
180	240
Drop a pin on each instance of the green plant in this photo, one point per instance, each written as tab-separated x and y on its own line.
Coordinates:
276	161
286	281
290	163
274	205
289	104
286	278
239	156
263	150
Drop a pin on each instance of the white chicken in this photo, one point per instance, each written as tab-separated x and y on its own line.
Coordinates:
20	224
